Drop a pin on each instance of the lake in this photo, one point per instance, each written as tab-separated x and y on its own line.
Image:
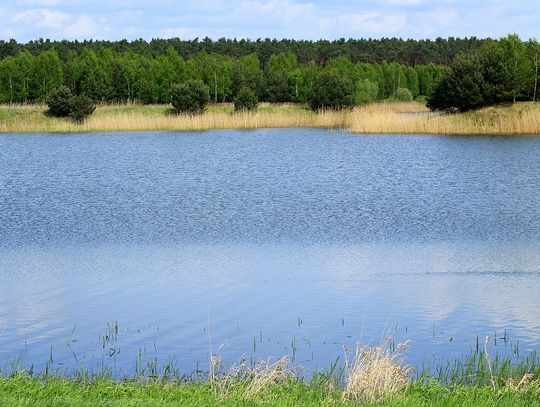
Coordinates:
118	249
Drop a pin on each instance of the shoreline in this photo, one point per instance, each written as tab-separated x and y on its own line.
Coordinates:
374	376
522	118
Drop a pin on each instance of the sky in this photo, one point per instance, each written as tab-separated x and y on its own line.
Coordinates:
26	20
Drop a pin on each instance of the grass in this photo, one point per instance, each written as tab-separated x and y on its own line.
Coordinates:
32	118
59	392
380	118
375	376
519	118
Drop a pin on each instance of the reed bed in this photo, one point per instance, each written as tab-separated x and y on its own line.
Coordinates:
519	118
380	118
144	118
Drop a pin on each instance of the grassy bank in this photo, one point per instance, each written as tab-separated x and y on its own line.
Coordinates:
19	392
380	118
372	376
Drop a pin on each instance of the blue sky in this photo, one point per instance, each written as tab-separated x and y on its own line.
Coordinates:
116	19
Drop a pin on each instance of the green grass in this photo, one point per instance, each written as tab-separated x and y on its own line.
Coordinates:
476	381
28	392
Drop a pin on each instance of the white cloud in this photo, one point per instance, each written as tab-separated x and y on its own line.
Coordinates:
43	18
84	27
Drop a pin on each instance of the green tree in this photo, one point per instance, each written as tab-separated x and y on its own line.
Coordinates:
246	100
59	101
533	53
515	62
47	74
247	72
279	80
462	88
81	107
331	91
190	97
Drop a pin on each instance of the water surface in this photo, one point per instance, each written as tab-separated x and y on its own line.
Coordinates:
291	241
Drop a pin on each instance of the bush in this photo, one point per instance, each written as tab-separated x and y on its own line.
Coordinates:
59	101
81	107
62	103
246	100
403	95
331	91
190	97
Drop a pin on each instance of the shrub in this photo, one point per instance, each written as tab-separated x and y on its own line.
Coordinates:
246	100
81	107
331	91
59	101
403	95
190	97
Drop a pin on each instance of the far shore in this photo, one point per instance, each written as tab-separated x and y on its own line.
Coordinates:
379	118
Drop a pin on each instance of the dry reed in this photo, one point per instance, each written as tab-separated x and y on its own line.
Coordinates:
251	380
519	118
112	118
375	373
379	118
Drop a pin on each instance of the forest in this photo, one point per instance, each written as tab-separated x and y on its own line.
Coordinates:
276	71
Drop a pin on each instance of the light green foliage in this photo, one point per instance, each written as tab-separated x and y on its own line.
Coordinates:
246	72
47	74
306	79
281	83
533	54
366	91
516	64
216	72
403	95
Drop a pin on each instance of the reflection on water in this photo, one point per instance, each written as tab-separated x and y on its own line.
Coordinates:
282	241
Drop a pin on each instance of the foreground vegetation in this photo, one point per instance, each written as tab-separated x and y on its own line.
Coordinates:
24	392
379	118
373	376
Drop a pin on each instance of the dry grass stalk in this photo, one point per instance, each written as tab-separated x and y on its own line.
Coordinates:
525	384
375	373
252	380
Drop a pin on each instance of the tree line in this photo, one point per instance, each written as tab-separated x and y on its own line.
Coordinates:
500	71
407	52
108	76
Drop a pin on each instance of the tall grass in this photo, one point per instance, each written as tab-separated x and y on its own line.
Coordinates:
375	373
519	118
141	118
379	118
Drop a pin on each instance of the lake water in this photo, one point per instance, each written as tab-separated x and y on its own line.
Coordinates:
282	242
